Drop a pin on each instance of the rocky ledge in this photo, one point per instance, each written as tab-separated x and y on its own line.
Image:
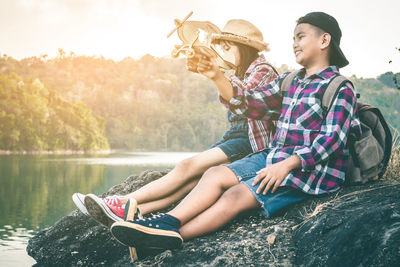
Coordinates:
358	226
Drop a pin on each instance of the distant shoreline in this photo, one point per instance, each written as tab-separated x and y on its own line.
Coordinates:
78	152
55	152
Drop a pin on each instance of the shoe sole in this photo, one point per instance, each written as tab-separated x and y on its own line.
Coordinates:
79	203
131	234
99	211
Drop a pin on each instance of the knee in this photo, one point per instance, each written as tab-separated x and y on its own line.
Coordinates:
217	172
235	195
214	171
187	164
215	175
210	174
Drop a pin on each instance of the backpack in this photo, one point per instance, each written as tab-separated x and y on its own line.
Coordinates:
369	155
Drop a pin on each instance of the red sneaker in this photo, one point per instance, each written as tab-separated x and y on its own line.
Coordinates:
105	210
115	205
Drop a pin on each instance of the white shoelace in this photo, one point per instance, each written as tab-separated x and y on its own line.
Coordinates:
151	218
113	200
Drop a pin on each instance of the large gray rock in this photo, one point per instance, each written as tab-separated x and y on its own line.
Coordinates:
359	226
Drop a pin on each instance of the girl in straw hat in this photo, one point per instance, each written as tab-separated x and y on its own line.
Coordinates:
243	41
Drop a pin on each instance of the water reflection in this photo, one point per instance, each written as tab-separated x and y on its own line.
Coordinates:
135	159
35	191
13	245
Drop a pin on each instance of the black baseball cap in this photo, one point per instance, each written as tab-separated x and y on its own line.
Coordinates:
330	25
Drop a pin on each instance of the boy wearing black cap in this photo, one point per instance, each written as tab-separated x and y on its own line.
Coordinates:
322	24
308	155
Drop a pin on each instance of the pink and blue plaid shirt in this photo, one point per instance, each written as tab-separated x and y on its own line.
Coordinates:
318	138
258	74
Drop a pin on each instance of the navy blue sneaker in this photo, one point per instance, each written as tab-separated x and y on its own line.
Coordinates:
159	232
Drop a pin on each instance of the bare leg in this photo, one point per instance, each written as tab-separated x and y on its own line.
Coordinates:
211	186
155	205
181	174
236	199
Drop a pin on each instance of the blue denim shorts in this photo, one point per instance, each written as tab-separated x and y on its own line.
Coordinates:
235	143
246	168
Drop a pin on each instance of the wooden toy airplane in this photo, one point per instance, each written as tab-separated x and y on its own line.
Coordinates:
196	37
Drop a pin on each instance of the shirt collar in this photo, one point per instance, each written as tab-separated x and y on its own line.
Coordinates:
326	73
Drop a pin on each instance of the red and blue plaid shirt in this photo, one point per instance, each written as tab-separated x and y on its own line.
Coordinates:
318	139
258	74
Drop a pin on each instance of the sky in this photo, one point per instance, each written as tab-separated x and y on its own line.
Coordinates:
120	28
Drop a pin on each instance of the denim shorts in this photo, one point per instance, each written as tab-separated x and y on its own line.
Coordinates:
246	168
235	143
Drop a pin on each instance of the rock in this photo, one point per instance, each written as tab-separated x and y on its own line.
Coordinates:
271	239
358	226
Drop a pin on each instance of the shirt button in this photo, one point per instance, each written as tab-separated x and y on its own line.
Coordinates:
293	102
286	120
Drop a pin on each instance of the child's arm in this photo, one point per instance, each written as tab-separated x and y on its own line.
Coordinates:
208	67
258	76
260	103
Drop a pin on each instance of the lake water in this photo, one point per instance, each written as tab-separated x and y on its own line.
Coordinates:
36	190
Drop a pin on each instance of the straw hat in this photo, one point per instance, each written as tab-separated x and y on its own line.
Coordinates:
242	31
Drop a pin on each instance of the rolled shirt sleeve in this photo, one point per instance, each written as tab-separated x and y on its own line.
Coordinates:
261	103
258	76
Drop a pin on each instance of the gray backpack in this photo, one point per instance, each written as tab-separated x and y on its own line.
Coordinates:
369	155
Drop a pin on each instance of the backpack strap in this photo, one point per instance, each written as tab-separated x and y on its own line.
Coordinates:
332	91
273	68
287	81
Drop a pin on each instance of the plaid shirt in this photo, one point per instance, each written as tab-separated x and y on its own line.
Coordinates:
318	139
258	74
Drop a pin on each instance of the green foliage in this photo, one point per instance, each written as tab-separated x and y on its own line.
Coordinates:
376	93
33	117
146	104
388	79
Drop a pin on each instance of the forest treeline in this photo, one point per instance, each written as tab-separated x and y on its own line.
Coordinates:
75	102
34	117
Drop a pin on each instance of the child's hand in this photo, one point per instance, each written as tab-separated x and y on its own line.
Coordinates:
191	64
208	66
271	176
